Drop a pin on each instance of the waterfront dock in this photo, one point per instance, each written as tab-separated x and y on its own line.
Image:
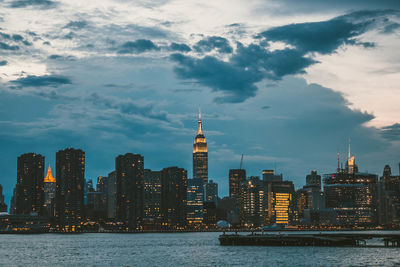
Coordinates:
309	239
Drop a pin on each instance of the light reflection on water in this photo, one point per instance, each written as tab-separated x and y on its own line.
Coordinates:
179	249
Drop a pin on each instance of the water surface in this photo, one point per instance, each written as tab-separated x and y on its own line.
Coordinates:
175	249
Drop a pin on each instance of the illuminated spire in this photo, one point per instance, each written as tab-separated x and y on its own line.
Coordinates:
199	129
49	177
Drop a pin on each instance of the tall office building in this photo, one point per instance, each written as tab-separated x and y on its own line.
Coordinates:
3	205
352	195
313	180
310	201
129	174
236	177
152	198
212	192
195	198
270	176
389	199
280	202
70	180
173	197
101	188
49	192
111	195
30	189
200	155
252	202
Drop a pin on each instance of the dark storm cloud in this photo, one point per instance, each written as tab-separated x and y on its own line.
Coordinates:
15	38
76	25
44	4
180	47
5	46
322	37
46	80
275	64
391	132
236	82
137	47
213	42
237	77
310	6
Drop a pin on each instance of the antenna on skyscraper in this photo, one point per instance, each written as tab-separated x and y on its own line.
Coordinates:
338	160
241	162
199	113
349	148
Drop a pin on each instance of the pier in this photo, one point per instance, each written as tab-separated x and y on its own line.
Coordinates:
309	239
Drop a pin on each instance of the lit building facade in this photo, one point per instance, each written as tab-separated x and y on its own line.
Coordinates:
252	202
173	197
389	199
212	191
49	192
195	198
70	181
152	198
30	188
200	155
352	196
129	170
236	177
280	202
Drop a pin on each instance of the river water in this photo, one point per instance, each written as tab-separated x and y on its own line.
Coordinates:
175	249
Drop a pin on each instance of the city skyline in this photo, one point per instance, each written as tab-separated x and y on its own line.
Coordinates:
348	161
128	77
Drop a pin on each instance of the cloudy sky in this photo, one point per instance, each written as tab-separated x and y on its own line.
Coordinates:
285	83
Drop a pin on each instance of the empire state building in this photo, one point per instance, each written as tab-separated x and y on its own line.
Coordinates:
200	155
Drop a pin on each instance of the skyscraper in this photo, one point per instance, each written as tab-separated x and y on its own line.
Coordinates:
195	198
389	199
200	155
111	195
129	175
313	180
30	189
173	197
101	188
152	198
270	176
351	194
236	177
3	205
49	192
252	202
70	180
212	191
280	202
